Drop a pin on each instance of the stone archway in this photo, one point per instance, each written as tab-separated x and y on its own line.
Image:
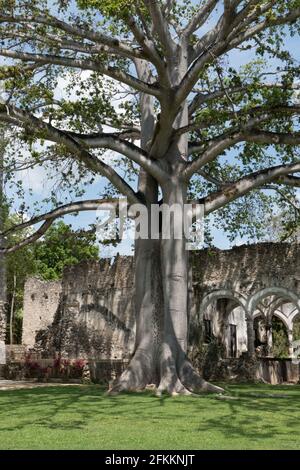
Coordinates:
289	314
260	333
279	296
230	321
279	292
280	336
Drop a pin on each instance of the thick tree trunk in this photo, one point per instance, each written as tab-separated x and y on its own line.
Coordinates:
161	278
2	256
160	356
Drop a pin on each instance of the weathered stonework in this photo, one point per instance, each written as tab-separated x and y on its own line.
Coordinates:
91	313
41	300
237	286
248	268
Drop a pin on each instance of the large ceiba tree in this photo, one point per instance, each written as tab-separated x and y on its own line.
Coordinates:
203	126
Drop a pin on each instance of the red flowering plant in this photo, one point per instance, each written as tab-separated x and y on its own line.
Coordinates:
32	368
67	368
76	368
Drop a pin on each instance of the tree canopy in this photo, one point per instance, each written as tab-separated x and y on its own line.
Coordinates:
100	48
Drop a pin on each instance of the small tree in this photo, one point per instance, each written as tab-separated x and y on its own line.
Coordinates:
280	346
19	265
60	247
187	105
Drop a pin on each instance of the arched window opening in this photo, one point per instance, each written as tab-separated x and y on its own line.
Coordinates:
280	342
260	335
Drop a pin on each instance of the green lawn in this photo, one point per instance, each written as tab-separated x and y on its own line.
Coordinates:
82	417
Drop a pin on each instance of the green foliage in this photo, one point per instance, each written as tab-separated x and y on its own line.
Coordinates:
62	246
91	101
280	347
19	265
296	328
108	7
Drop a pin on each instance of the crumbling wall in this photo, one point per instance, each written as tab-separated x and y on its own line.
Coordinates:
97	309
226	282
91	313
247	269
41	301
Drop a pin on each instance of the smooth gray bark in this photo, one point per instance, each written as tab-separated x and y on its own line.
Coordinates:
162	273
2	255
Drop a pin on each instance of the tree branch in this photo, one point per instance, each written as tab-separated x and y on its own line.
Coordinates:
203	98
274	187
261	113
27	241
200	17
161	27
249	33
73	207
22	118
78	143
246	184
289	180
214	148
265	137
84	64
50	217
114	44
147	45
214	44
223	142
114	142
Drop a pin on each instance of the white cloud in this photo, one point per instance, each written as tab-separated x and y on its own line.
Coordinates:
64	82
35	179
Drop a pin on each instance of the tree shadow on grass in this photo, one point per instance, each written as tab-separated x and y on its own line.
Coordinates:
75	407
43	406
263	413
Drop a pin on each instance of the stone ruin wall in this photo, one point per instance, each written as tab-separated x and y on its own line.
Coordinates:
91	312
248	268
243	272
41	299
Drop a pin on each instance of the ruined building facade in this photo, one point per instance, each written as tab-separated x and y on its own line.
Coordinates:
235	295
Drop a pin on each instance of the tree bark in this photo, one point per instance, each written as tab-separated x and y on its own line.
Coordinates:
2	256
161	277
160	355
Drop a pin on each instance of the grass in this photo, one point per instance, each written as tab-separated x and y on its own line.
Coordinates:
82	417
